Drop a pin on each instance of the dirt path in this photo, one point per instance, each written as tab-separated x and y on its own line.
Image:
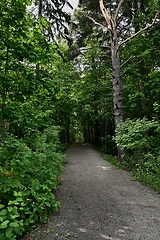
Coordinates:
101	202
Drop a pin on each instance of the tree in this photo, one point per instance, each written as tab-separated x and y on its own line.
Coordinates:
28	65
94	93
14	24
115	45
31	101
56	18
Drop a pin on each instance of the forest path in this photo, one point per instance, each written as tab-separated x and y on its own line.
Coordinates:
101	202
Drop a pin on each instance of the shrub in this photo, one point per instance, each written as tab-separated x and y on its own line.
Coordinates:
141	150
28	179
132	135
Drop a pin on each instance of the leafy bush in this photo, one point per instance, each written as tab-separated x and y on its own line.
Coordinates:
149	172
133	135
28	179
140	141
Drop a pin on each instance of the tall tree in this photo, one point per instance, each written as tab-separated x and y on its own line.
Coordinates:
14	23
115	45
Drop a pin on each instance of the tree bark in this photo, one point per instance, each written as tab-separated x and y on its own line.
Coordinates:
117	85
116	76
116	79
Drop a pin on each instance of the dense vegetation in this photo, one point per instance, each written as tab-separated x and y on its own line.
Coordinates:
35	86
56	88
138	134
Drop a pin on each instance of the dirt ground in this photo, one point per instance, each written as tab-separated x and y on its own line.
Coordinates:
100	202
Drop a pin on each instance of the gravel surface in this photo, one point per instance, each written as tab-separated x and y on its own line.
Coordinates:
101	202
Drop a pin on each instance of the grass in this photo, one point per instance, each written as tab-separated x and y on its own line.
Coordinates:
145	171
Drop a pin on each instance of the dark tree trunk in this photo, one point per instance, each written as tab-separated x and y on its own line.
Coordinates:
96	133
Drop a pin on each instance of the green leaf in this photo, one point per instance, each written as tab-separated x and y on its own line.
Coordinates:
28	2
14	224
19	199
9	208
4	224
48	204
9	232
2	236
1	206
3	212
35	184
14	211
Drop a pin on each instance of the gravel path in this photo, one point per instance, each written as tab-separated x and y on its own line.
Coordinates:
101	202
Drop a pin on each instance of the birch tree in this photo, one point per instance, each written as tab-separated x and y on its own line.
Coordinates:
115	44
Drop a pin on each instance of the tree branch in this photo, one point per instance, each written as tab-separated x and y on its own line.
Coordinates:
126	61
117	10
106	14
97	23
132	67
141	31
86	49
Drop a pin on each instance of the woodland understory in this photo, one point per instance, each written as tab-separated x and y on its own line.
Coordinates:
90	77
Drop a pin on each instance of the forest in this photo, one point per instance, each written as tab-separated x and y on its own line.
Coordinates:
93	76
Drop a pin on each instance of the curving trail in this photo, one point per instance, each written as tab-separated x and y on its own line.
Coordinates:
101	202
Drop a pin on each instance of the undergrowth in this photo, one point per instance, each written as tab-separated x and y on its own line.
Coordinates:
28	180
139	139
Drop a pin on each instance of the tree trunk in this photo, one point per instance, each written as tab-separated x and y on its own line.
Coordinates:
117	86
96	133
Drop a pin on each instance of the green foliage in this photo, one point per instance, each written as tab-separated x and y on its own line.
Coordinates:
40	89
133	134
112	159
93	92
35	92
140	142
11	224
141	73
28	181
148	171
